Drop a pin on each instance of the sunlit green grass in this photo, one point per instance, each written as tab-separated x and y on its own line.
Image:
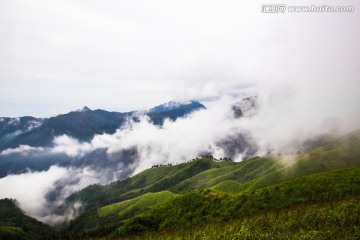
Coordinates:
202	207
228	186
330	220
133	206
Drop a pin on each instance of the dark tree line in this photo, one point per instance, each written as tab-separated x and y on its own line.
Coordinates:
161	165
195	159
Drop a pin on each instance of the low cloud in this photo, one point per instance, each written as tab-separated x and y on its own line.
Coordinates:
30	188
40	194
22	149
284	123
70	146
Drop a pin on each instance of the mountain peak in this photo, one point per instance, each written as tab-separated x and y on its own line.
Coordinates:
84	109
173	105
246	107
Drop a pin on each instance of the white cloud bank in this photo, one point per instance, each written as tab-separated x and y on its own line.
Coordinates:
31	189
286	117
22	149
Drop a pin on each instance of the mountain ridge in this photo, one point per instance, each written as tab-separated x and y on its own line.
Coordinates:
82	124
37	136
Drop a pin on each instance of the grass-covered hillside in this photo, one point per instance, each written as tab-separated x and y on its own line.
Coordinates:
300	197
151	180
325	204
14	224
338	219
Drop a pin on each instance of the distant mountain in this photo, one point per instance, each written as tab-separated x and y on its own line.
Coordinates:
173	110
82	124
171	106
10	128
246	107
84	109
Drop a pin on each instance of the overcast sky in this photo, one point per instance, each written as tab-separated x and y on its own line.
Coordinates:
57	56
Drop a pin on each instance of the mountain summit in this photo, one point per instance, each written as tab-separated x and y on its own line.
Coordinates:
84	109
173	110
172	105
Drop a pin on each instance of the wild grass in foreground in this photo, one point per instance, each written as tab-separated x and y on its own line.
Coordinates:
331	220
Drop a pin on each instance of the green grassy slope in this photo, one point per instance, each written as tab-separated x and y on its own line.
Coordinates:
131	207
199	207
105	219
330	220
341	153
264	184
241	172
228	186
16	225
150	180
205	173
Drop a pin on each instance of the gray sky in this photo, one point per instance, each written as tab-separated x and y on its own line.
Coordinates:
57	56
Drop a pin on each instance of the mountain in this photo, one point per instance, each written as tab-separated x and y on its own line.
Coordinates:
179	106
172	110
325	180
14	224
84	109
82	124
246	107
10	128
28	133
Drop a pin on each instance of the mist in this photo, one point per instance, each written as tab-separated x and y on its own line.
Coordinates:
41	194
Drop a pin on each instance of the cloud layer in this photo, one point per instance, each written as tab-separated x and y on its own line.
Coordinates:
33	190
